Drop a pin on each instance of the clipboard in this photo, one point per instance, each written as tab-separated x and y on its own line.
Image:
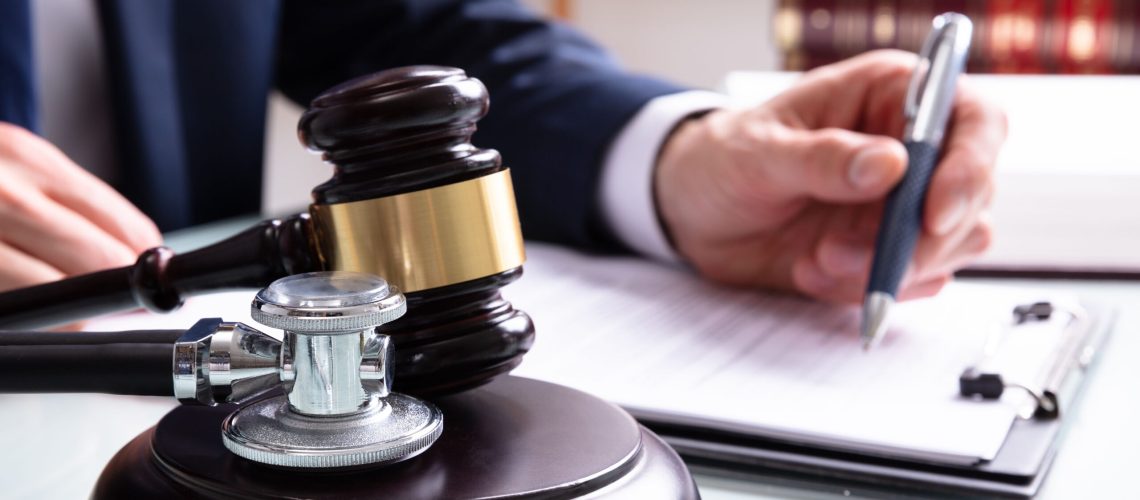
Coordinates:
748	383
1017	471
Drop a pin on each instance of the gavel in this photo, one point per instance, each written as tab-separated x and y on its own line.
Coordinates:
321	413
410	199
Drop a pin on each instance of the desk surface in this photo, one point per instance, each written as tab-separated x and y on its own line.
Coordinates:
56	445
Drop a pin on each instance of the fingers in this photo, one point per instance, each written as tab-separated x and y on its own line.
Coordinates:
962	185
53	173
56	219
107	210
817	285
955	228
864	91
22	270
799	182
939	254
841	265
845	256
832	165
61	238
927	288
812	281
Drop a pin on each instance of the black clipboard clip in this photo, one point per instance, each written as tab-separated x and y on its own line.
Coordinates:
984	381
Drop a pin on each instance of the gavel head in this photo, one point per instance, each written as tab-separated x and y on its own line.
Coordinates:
397	131
412	200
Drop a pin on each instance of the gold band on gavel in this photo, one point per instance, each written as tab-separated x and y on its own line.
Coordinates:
425	239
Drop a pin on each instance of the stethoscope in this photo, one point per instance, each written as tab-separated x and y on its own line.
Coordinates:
336	372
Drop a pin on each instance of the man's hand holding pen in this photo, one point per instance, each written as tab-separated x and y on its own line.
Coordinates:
789	195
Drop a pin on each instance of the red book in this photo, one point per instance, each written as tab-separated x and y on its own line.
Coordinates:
1082	44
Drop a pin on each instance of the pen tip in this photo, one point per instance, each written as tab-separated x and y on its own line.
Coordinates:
876	309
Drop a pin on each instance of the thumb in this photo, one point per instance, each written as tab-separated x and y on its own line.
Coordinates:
832	164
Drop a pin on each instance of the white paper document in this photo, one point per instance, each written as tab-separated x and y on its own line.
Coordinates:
663	343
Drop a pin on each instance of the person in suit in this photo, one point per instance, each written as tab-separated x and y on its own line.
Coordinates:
783	196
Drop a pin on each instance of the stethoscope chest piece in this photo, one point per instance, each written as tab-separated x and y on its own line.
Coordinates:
338	410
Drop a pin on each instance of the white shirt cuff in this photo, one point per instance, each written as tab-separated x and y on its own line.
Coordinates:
627	174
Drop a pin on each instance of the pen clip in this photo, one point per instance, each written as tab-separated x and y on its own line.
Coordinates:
921	75
930	92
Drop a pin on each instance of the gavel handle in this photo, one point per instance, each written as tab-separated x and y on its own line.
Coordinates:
160	280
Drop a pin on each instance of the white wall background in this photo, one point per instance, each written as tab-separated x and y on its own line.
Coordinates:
290	171
690	42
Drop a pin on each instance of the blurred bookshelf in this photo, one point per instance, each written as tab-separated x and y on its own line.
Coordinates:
1010	36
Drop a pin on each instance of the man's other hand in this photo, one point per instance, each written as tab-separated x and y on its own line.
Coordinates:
789	195
56	219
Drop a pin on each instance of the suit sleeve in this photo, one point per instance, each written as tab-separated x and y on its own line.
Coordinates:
557	100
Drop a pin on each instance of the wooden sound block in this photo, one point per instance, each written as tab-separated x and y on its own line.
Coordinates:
514	437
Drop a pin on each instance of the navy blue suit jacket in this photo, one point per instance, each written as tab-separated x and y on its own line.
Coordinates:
191	80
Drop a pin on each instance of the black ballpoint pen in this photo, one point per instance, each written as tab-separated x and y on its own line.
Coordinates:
927	107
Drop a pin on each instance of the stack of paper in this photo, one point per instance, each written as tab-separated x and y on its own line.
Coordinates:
665	344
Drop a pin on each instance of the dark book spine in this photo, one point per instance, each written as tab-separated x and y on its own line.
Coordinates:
1125	50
